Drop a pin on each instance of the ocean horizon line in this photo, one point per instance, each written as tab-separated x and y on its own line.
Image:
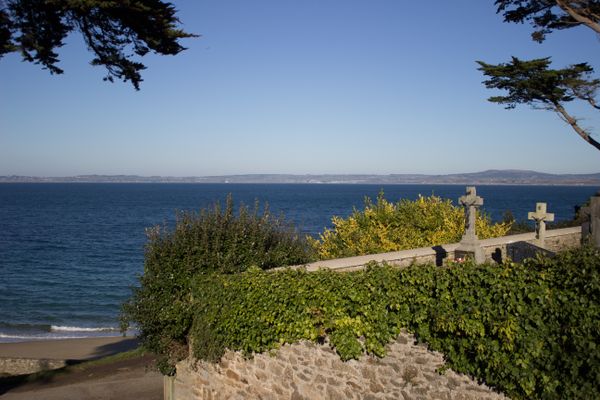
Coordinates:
488	177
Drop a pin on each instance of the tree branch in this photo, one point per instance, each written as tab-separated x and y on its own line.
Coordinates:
578	17
593	103
573	122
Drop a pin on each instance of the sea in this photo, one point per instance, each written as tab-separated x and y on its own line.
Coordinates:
71	252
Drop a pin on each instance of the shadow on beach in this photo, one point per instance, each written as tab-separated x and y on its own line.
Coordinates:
110	349
42	378
95	362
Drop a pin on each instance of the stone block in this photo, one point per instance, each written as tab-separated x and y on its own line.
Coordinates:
275	369
375	387
334	394
232	375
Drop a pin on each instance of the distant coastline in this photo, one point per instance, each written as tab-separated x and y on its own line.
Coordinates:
490	177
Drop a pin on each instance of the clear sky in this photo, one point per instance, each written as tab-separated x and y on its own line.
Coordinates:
301	87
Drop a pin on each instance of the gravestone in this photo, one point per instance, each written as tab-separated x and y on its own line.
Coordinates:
469	245
540	216
520	251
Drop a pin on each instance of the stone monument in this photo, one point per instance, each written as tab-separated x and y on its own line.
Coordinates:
540	216
469	246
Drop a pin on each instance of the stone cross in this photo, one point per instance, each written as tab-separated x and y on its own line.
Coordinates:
540	216
469	245
470	201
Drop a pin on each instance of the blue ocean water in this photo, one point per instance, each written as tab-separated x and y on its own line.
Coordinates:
69	253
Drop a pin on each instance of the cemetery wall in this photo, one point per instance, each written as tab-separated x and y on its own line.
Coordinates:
563	239
497	249
311	371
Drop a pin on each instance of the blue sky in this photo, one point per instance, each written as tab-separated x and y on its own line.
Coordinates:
301	87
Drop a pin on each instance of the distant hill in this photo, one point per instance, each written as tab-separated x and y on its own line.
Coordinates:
490	177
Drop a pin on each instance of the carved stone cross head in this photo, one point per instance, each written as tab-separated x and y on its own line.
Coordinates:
470	199
540	216
540	213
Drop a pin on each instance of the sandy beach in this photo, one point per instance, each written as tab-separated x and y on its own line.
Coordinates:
68	349
128	378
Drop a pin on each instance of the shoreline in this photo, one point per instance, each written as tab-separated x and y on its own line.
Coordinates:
22	333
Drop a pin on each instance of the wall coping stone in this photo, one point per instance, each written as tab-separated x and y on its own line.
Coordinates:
358	262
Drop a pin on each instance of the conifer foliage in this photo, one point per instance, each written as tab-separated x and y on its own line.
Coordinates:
114	31
532	82
548	15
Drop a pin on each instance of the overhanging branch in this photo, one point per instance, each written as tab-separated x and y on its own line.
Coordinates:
565	116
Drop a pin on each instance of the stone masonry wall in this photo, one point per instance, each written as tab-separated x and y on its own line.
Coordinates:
310	371
21	366
566	241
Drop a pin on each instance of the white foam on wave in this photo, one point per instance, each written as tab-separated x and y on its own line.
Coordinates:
33	337
63	332
54	328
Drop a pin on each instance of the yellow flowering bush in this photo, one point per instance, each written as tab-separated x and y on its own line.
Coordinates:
384	226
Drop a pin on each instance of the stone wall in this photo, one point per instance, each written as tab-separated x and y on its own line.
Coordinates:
310	371
496	249
22	366
561	239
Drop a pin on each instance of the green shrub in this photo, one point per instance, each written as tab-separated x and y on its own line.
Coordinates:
531	329
385	226
216	240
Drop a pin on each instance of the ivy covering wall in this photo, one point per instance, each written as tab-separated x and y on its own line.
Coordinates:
531	330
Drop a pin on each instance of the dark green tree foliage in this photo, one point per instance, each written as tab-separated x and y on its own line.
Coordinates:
548	15
532	82
217	240
114	32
